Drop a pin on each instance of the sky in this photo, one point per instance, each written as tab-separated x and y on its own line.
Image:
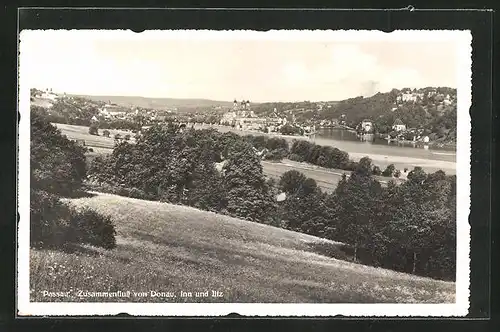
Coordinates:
257	68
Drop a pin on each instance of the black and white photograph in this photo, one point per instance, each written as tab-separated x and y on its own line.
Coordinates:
281	172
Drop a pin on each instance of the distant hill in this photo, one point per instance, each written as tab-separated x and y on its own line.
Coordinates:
414	107
157	103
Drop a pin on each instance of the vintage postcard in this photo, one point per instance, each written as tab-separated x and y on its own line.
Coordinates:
277	173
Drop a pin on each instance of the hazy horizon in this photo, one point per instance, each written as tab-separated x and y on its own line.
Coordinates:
260	70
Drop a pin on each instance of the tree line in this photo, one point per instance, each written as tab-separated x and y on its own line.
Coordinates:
408	227
305	151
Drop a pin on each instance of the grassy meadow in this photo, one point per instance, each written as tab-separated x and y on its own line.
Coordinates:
168	248
93	141
326	178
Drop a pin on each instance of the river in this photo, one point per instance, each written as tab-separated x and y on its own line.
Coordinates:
350	142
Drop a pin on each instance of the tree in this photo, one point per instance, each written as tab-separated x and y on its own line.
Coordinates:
57	164
58	168
301	148
420	227
127	137
290	130
376	170
118	137
409	226
106	133
246	190
93	130
205	190
305	211
389	171
355	206
291	181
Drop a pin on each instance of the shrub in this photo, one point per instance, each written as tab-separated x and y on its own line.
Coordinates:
275	143
389	171
350	166
93	130
89	226
292	181
376	170
277	154
54	224
48	220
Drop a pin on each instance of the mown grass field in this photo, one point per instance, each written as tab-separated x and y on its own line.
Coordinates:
168	248
327	179
93	141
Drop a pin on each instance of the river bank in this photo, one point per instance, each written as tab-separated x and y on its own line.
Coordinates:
441	144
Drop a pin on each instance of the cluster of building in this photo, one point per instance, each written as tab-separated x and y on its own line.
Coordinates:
367	126
242	117
46	94
116	112
408	96
400	128
329	123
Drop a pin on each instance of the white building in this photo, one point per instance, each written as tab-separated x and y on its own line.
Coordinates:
49	95
366	125
407	97
398	125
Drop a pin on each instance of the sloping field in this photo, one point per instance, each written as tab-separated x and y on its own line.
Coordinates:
82	132
168	248
327	179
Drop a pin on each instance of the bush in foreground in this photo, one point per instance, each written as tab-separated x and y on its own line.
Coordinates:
93	228
54	224
48	220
